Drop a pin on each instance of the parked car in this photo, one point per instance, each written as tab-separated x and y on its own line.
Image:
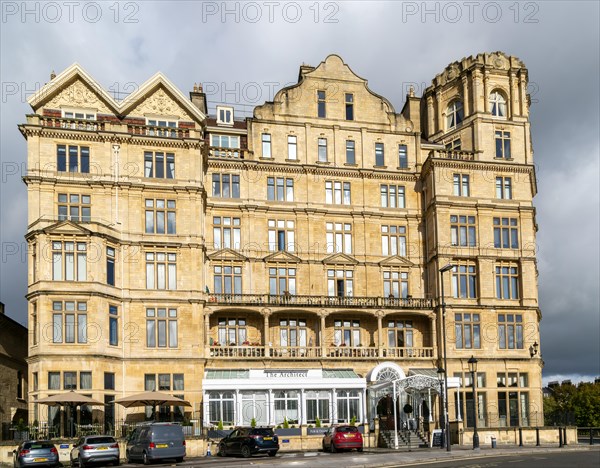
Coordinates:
246	441
95	448
156	441
35	453
342	437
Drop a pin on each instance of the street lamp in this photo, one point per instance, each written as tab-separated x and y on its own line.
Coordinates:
441	374
473	368
447	423
533	349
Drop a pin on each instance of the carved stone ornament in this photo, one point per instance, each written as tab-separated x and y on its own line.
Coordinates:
160	103
78	95
418	382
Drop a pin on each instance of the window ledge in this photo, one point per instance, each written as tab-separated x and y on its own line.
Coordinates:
326	163
292	160
403	168
265	159
351	164
380	167
504	159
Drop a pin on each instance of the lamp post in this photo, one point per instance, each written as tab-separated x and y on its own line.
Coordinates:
446	422
473	368
441	373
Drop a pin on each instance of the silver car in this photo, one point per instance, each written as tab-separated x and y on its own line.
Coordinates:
35	453
95	448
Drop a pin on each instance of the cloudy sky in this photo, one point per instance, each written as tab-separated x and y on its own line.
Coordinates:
242	51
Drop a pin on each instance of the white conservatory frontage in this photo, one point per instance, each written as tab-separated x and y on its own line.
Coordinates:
234	397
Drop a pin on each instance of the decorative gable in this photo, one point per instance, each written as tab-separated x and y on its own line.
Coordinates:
79	95
160	103
340	259
282	257
396	261
227	255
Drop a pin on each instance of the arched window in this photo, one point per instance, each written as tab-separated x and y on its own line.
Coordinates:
497	104
454	114
221	408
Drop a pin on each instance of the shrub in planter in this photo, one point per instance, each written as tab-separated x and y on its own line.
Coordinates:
286	424
220	426
253	422
317	422
353	421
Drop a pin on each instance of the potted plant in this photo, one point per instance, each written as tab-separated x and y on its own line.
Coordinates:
317	422
253	422
353	421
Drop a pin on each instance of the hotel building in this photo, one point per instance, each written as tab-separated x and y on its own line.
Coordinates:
286	266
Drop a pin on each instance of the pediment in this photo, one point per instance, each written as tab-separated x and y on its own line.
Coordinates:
67	228
396	260
74	88
284	257
340	259
159	97
227	255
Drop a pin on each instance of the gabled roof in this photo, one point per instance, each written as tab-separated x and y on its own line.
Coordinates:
75	72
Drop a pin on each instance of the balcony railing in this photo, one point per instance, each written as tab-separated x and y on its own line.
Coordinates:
316	352
454	154
227	153
164	132
72	124
321	301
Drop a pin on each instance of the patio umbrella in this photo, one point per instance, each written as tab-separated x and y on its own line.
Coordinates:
153	399
71	399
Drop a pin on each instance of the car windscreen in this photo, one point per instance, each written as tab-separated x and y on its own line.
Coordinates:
347	429
38	445
101	440
262	431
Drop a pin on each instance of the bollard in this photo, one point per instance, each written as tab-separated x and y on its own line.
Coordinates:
537	436
591	436
565	435
521	443
560	442
493	442
208	454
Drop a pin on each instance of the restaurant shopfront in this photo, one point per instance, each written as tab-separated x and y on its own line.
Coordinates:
272	396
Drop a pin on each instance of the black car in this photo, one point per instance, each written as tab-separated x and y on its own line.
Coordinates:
246	441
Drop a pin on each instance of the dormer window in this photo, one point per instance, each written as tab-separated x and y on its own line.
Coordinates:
166	128
224	115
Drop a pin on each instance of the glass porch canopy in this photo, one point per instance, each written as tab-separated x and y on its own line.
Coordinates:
270	396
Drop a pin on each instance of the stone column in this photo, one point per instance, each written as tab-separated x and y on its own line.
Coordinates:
323	315
434	335
476	91
465	89
302	420
486	91
380	333
266	335
438	110
430	116
207	313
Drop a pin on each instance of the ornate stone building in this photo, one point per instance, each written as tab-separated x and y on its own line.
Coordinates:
283	266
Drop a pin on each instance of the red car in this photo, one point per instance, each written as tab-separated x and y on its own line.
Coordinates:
342	437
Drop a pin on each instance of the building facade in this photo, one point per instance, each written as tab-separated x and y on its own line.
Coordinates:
277	267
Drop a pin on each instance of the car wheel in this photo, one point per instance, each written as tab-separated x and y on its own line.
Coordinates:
221	450
80	463
246	453
272	453
145	458
117	462
332	448
360	449
179	460
128	457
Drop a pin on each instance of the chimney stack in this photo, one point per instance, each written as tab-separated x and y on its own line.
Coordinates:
198	98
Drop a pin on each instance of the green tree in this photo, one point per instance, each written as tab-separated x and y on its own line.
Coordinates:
586	405
570	404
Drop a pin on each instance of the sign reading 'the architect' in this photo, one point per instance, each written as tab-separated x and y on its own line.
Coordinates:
285	373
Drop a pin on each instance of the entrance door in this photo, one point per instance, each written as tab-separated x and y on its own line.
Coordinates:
254	405
385	413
